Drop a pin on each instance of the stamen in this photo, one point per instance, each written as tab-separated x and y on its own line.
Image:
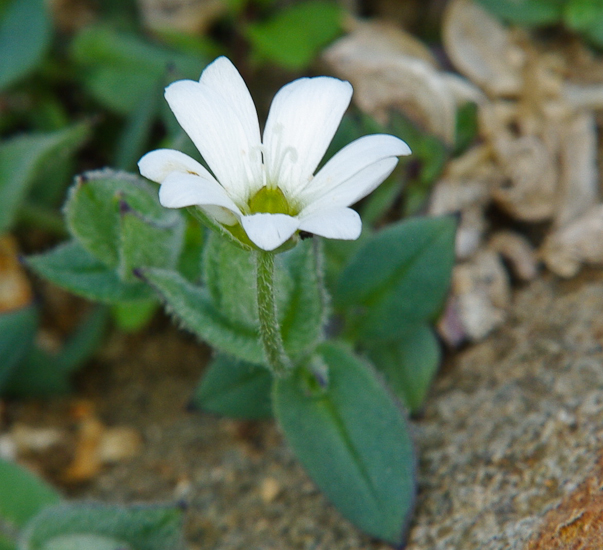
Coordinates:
280	154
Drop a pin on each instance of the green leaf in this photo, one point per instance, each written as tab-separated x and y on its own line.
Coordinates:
229	273
117	89
409	364
146	242
17	331
302	311
138	527
117	217
92	215
193	306
6	543
338	254
43	374
120	67
23	158
25	35
136	132
87	542
85	339
133	316
400	277
294	36
22	494
71	267
526	12
189	263
353	440
585	17
466	127
235	389
424	166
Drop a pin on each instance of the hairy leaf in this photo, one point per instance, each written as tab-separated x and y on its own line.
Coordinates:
398	278
139	527
71	267
235	389
409	364
353	440
193	306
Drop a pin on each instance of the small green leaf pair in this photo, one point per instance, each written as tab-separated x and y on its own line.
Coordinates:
223	311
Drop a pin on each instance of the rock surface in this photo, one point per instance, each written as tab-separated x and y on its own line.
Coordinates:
515	425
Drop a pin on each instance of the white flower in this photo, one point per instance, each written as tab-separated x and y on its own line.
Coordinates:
268	185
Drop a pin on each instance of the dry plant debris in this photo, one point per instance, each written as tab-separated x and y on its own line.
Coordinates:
15	289
389	68
188	16
535	159
98	444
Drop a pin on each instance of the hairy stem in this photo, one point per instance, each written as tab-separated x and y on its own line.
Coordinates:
270	330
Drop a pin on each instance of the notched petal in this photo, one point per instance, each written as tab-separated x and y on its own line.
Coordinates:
220	134
182	190
343	170
302	121
351	190
333	223
158	165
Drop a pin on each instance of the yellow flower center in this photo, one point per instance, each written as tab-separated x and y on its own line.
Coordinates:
270	201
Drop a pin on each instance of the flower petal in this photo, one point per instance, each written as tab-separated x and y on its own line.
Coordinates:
353	189
269	231
181	190
223	77
232	152
352	159
220	214
333	223
302	121
158	165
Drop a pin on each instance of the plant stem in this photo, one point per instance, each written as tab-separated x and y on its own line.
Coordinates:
270	330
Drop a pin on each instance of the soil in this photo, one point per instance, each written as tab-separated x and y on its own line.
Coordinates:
512	427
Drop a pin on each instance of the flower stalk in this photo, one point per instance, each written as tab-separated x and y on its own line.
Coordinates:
270	330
